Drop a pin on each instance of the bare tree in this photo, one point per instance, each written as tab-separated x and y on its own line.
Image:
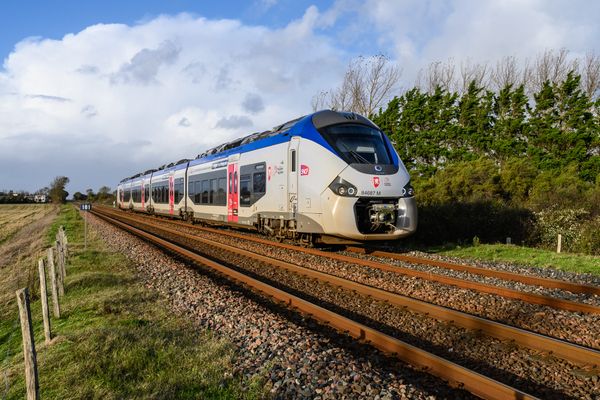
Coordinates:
367	84
320	100
590	75
550	66
438	74
469	72
506	73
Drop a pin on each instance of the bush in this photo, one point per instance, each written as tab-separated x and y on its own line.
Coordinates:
478	199
568	222
460	222
589	240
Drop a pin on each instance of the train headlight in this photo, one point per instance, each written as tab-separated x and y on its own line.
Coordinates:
343	188
408	190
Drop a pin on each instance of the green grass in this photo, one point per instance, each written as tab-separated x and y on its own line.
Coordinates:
116	339
526	256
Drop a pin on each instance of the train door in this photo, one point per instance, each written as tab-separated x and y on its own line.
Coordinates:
171	194
232	192
292	182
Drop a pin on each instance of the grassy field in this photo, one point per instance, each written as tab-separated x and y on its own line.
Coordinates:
23	240
116	338
15	216
526	256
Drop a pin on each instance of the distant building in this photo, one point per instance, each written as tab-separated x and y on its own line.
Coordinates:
40	198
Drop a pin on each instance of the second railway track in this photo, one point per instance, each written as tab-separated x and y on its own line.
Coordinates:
561	349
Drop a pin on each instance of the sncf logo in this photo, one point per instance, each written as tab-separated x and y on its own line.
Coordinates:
376	181
304	170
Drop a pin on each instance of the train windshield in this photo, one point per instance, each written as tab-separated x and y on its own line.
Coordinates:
357	144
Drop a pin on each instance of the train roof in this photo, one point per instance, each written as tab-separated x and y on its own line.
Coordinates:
318	119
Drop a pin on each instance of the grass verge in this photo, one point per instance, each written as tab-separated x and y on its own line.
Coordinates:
525	256
117	339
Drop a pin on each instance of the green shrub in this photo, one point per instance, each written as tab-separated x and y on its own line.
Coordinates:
460	222
568	222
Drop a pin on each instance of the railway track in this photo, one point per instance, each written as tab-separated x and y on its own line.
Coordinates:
474	382
533	298
508	276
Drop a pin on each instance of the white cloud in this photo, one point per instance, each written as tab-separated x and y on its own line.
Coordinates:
113	100
418	32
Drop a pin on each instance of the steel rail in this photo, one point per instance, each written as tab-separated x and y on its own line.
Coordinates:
559	348
532	298
508	276
454	374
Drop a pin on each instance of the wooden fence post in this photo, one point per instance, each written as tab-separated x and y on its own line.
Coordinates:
59	275
559	244
31	374
53	284
60	251
65	242
44	297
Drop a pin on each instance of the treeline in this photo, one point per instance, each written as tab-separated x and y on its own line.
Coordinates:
10	197
490	164
104	195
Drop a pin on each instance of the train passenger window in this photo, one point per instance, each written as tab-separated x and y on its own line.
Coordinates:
178	190
221	195
197	192
293	160
245	192
213	191
230	183
258	182
205	189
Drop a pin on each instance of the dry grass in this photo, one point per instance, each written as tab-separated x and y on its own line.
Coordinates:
23	229
116	339
13	217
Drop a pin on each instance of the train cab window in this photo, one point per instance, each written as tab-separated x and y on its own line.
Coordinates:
258	182
357	144
293	160
245	192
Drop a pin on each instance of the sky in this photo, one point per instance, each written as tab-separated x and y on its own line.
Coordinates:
98	91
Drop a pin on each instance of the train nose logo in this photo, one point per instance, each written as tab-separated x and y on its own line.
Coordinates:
376	181
378	168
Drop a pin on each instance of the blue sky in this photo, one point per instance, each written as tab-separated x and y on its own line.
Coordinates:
101	90
53	19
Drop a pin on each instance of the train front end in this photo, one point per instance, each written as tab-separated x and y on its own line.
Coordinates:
370	197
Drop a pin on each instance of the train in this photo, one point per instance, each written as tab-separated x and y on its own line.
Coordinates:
328	177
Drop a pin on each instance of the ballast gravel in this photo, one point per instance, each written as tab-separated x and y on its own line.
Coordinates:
577	328
528	370
297	358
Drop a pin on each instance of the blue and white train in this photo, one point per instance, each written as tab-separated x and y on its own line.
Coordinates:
330	177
